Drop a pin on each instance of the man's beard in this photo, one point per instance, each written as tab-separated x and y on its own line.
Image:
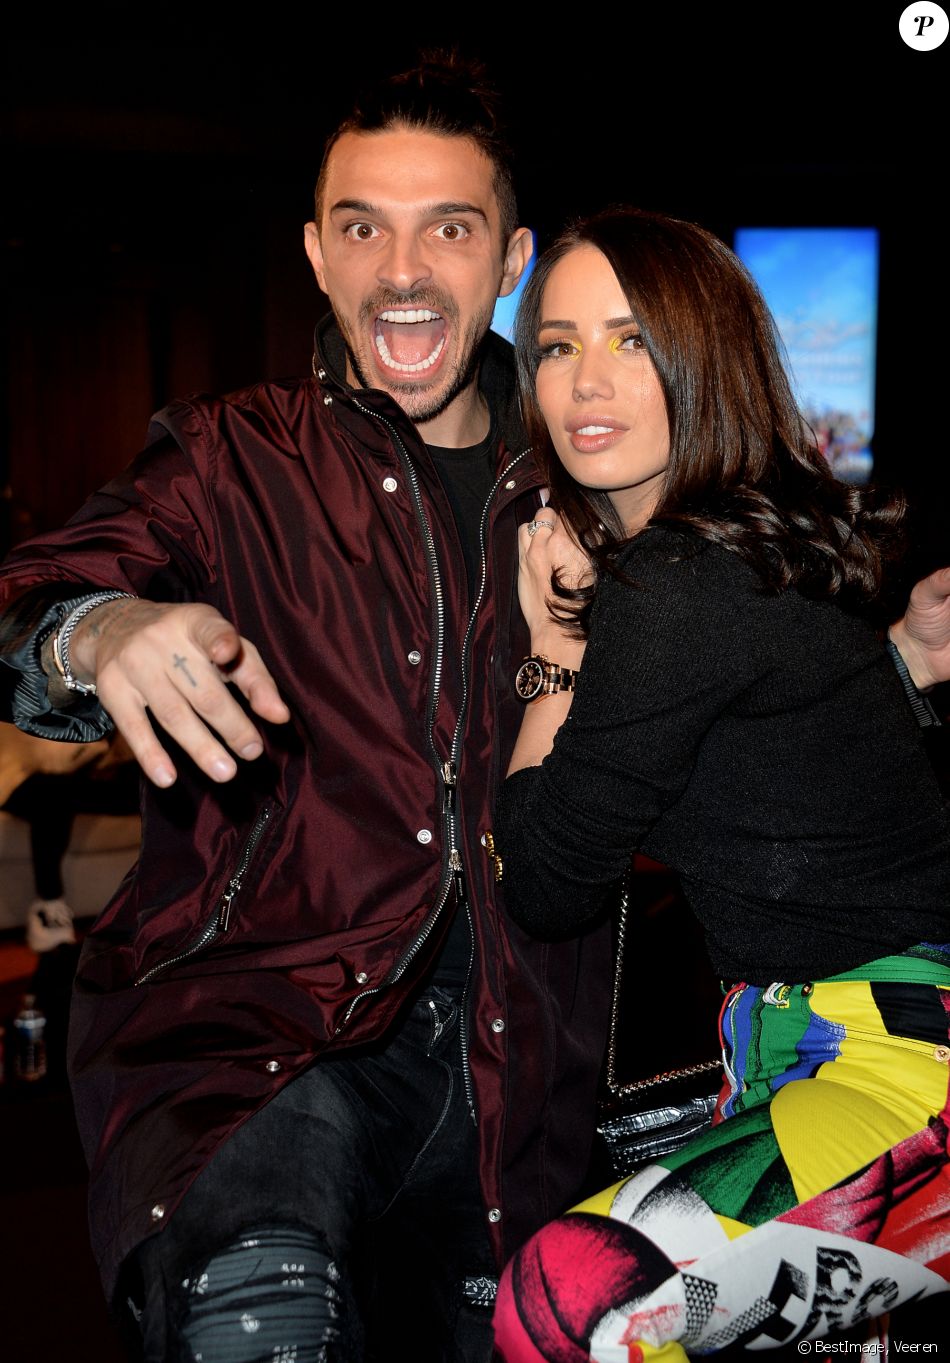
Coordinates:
419	401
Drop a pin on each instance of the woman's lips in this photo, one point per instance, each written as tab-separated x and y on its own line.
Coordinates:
591	434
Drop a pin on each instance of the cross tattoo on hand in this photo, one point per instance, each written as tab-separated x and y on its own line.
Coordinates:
182	664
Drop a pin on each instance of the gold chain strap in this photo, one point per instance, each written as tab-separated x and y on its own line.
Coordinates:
620	1090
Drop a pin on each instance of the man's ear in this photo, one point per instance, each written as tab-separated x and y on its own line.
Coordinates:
519	251
311	244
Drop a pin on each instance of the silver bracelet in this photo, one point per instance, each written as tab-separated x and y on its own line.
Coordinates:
65	632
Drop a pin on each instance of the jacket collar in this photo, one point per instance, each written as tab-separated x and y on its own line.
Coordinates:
497	381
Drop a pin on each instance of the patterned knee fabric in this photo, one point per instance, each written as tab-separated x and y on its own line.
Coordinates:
269	1298
820	1199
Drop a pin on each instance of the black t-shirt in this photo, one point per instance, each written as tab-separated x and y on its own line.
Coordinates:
467	477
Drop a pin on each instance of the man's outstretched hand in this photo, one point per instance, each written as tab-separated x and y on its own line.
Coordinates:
922	637
175	661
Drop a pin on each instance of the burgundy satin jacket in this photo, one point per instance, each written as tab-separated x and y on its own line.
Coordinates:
291	910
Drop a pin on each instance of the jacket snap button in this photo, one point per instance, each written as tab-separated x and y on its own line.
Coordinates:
361	977
158	1211
808	989
389	485
509	485
415	657
942	1053
424	835
498	1024
494	1214
328	401
272	1067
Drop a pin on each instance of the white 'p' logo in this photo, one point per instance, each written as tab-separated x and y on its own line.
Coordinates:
924	25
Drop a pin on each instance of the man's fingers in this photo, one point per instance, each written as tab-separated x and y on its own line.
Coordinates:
239	662
177	718
132	722
216	637
190	730
251	677
177	663
199	687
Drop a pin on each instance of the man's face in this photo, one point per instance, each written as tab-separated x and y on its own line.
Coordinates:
410	254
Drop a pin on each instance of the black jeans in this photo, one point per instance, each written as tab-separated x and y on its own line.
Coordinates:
364	1169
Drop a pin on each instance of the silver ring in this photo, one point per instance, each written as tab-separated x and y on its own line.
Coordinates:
535	526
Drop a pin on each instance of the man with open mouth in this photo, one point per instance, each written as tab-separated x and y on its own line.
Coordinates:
426	339
304	1034
413	246
297	1027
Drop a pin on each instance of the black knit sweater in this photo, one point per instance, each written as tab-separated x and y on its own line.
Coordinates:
758	744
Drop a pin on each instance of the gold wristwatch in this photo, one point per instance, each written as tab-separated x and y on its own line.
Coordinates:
538	676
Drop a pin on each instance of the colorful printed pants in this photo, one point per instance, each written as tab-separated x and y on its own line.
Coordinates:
819	1199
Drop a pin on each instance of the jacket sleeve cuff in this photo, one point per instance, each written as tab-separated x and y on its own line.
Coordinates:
924	712
27	626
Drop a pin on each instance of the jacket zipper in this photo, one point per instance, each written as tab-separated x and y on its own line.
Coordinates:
451	806
219	920
401	966
446	770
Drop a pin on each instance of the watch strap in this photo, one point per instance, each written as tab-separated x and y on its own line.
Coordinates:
554	678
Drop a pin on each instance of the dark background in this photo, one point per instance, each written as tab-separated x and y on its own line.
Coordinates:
155	194
153	199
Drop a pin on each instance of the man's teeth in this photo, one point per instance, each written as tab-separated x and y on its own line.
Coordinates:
410	315
594	430
390	363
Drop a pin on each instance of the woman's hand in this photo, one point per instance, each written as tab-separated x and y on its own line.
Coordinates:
544	546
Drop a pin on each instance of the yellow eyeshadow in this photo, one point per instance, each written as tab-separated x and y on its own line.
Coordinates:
616	342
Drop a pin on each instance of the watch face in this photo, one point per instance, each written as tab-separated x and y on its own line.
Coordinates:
529	679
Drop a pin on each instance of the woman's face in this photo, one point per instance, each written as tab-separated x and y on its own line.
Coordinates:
597	388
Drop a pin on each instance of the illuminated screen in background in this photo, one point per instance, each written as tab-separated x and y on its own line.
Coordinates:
821	286
503	318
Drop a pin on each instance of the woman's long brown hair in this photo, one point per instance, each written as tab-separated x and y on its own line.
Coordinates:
744	470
